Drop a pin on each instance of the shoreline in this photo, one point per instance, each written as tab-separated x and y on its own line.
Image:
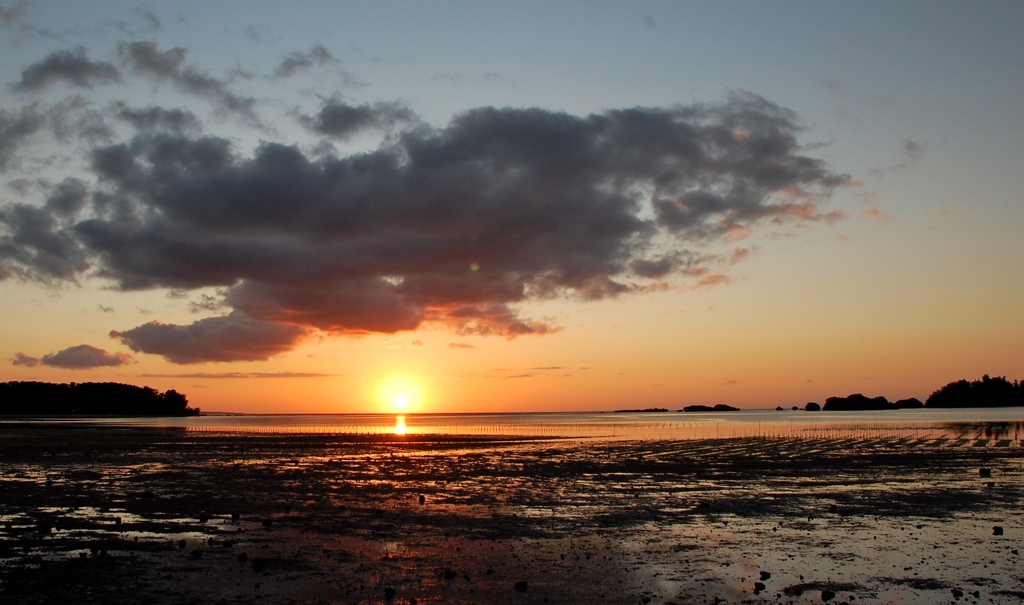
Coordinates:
324	520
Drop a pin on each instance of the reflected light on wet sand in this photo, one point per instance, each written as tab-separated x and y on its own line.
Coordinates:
399	425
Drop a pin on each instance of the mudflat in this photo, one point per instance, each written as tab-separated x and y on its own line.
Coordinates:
115	515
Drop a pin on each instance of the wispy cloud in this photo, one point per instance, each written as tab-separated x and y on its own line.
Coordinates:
145	58
911	151
873	213
233	375
70	66
301	61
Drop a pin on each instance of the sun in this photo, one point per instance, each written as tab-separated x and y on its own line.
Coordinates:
402	394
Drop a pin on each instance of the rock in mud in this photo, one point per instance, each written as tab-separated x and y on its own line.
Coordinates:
997	530
758	587
827	595
242	558
449	573
389	593
521	586
259	565
423	500
984	472
765	575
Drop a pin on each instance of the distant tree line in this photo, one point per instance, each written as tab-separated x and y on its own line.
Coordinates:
987	392
90	398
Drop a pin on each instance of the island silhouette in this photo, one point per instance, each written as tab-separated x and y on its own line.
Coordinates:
90	399
987	392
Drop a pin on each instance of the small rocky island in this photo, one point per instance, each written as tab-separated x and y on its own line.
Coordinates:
858	402
90	399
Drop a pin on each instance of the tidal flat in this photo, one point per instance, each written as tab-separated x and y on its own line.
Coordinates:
156	515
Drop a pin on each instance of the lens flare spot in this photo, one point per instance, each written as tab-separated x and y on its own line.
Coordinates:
474	267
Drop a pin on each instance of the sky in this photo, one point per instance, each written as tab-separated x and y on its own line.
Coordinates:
328	207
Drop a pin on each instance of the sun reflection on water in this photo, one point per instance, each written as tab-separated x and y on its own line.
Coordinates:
399	425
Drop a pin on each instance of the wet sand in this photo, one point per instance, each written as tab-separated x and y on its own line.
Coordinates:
109	515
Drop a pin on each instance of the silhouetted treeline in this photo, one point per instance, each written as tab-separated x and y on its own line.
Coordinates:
988	392
985	393
99	398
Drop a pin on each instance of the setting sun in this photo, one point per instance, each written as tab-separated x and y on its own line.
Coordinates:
402	394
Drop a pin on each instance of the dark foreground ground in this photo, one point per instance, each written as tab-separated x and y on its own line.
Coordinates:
155	516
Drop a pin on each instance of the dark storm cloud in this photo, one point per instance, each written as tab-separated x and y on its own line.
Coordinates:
340	120
70	66
300	61
83	357
145	58
233	337
449	227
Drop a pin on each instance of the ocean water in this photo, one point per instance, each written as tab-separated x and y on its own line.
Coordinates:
1001	427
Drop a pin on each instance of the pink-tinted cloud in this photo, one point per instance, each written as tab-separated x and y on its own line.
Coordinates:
873	213
713	280
739	254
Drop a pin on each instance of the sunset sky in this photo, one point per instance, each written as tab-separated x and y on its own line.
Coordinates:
550	206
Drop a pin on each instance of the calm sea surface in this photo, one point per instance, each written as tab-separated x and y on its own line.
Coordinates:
993	427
